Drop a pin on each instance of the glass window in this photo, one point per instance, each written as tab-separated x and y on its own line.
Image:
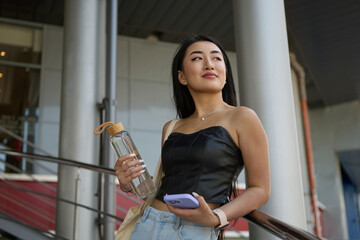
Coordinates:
20	59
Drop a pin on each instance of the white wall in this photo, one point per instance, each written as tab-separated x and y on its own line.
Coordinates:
144	93
333	129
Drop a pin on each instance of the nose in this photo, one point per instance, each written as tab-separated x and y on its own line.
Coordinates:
209	68
209	65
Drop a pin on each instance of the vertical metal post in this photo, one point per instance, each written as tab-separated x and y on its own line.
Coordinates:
77	197
265	86
309	153
111	39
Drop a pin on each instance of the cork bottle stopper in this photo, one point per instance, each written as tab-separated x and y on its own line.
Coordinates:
115	128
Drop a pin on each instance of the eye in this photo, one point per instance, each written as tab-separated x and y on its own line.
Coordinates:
218	58
196	58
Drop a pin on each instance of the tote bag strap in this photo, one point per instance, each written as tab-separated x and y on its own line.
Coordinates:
158	174
170	128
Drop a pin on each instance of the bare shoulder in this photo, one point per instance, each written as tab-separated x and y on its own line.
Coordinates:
243	113
165	127
245	120
248	128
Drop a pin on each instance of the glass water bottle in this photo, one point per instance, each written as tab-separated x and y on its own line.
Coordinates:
120	140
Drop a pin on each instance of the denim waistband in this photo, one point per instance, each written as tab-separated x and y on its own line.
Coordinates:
167	217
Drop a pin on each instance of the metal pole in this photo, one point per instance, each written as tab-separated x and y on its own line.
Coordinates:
109	191
265	86
309	153
77	197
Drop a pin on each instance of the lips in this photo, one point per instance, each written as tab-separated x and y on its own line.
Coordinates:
209	75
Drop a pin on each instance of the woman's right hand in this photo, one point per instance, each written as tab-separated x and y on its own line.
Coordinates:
127	169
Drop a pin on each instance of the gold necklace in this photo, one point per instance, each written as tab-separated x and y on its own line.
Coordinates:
203	117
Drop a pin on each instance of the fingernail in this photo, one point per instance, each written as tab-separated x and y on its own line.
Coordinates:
132	154
195	194
143	166
142	171
141	160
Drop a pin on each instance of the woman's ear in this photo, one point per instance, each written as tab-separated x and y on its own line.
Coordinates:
182	78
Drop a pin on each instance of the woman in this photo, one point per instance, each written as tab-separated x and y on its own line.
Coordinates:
207	149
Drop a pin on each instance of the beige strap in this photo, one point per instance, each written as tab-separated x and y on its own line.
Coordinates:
170	128
102	127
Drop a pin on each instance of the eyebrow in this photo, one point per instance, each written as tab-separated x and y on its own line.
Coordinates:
200	52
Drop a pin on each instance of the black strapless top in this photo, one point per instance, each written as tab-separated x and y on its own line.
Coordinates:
205	162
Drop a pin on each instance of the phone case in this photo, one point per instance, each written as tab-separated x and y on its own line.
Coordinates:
184	200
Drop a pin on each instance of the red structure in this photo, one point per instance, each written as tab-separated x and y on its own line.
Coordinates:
18	200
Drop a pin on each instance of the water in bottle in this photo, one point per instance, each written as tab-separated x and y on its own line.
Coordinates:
120	140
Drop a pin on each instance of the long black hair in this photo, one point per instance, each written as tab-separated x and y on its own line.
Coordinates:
183	100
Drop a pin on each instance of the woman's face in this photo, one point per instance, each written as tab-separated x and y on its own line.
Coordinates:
204	68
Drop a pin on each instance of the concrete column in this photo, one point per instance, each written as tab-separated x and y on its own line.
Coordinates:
265	86
77	122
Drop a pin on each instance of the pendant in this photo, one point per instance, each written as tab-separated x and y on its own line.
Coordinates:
203	118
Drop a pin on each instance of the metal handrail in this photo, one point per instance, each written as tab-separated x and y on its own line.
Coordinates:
60	161
65	162
23	140
256	217
63	200
17	170
27	217
43	213
14	220
278	227
15	185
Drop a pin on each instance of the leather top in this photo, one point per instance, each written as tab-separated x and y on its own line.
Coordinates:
205	162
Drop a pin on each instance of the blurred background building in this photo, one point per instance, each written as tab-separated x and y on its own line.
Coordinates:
324	50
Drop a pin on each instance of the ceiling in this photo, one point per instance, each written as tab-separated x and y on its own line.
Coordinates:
324	34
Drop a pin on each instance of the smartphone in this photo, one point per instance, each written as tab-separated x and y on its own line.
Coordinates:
183	200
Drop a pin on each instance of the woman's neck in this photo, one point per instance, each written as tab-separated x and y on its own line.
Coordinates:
206	106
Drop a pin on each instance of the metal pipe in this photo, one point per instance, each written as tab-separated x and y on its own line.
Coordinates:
23	140
20	64
309	155
277	227
62	200
61	161
76	210
6	219
109	191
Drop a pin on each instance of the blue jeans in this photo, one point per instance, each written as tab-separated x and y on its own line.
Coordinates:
162	225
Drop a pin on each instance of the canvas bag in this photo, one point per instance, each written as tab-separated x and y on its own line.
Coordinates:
125	230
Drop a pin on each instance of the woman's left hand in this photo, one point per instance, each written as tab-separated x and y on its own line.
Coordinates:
202	215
